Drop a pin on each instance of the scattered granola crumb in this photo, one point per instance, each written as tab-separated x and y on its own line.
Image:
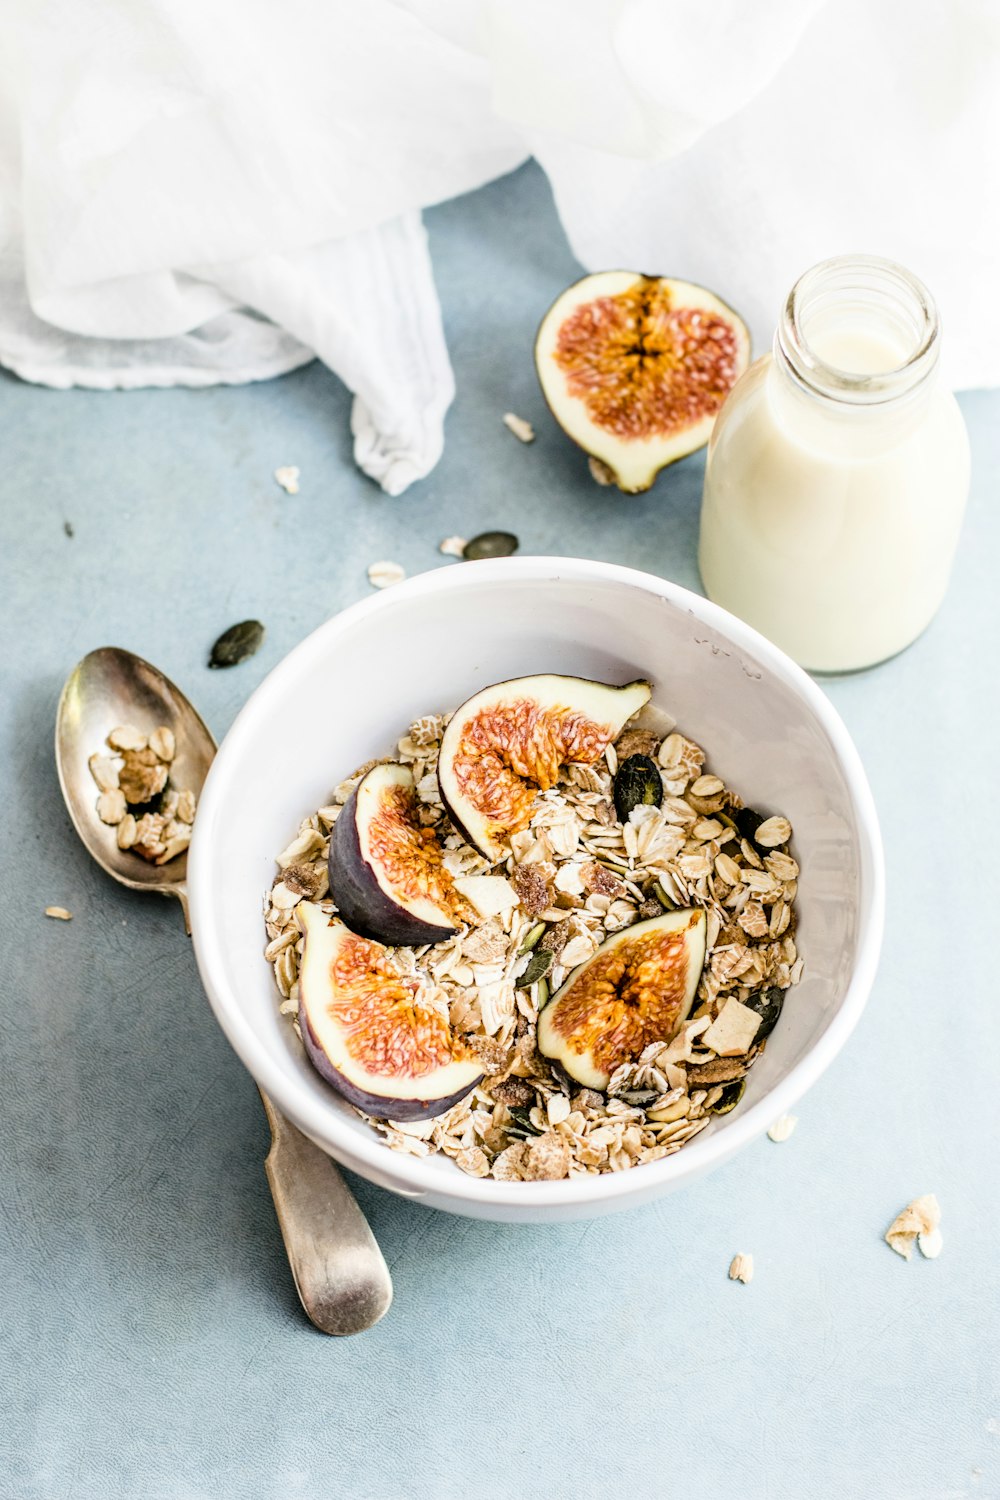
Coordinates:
918	1221
382	575
741	1269
782	1127
599	472
453	546
521	429
288	477
60	913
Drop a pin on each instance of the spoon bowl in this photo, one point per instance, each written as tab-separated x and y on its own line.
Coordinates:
339	1271
108	688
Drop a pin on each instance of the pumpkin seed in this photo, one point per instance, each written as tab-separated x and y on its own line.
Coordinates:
665	901
747	821
531	939
236	644
522	1125
539	964
637	784
730	1097
543	993
491	544
767	1004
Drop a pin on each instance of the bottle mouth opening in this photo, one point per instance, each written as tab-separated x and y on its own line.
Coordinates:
860	330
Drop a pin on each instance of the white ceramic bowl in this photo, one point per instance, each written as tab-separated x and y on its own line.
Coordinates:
349	690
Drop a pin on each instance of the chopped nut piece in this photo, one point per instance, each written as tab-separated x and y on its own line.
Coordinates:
162	743
741	1269
772	832
60	913
453	546
382	575
546	1158
111	806
104	769
127	737
288	477
919	1218
733	1030
305	880
521	429
782	1127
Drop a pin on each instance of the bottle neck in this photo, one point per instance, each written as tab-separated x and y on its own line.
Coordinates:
855	354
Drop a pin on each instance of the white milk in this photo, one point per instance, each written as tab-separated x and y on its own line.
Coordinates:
837	473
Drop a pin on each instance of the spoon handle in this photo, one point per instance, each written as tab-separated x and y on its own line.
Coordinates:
340	1273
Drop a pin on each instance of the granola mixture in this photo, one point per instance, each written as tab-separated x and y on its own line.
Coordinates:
153	819
576	876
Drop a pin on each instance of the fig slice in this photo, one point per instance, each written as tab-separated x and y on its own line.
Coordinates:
366	1032
636	989
635	368
513	738
386	872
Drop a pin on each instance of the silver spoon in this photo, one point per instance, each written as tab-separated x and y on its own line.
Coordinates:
340	1274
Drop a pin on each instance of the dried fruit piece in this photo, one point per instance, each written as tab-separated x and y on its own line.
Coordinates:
236	644
386	870
366	1032
638	783
490	544
635	368
636	989
516	736
733	1031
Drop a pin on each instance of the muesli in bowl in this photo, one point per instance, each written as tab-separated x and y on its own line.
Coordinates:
539	938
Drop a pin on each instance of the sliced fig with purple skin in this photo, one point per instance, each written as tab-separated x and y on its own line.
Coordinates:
635	369
386	870
512	739
366	1032
636	989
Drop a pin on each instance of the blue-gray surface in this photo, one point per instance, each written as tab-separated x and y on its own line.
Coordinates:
151	1344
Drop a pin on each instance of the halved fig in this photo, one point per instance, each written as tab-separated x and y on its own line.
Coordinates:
386	871
636	989
635	369
513	738
366	1032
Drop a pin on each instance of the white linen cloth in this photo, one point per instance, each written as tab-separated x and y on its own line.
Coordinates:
194	193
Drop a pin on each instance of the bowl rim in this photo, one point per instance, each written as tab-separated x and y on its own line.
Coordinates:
410	1176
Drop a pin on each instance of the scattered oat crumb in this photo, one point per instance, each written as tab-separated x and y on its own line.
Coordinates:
382	575
599	472
453	546
288	477
741	1269
782	1127
521	429
918	1221
60	913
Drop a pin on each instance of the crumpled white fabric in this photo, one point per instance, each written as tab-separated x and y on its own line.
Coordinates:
194	193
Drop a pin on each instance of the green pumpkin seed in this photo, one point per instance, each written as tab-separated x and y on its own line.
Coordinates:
637	784
531	939
667	902
767	1003
236	644
543	993
491	544
522	1126
730	1097
539	964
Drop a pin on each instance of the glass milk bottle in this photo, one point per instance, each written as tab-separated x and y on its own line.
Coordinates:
838	472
